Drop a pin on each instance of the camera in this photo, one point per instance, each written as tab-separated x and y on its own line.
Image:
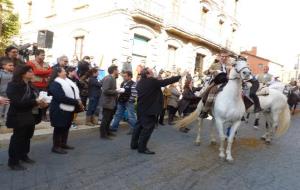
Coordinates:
25	51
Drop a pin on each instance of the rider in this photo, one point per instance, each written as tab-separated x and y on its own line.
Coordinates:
219	70
265	78
253	96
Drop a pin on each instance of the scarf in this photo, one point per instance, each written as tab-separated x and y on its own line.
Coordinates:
71	91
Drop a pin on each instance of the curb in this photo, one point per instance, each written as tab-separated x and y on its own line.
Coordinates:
41	132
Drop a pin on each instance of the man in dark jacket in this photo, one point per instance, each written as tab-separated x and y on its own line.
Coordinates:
83	66
62	62
109	100
149	105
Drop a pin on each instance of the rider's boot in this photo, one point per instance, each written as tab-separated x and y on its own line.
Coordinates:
203	114
257	107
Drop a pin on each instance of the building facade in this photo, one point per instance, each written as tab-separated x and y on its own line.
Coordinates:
168	34
257	64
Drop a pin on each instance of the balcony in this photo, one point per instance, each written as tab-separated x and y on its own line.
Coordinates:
192	29
148	10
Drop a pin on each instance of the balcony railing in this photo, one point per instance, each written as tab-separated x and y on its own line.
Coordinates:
194	29
148	9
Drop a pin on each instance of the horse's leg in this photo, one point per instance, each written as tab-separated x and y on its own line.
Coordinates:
294	109
247	118
219	125
230	140
256	122
212	133
198	139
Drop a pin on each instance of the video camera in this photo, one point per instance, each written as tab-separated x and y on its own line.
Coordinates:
25	51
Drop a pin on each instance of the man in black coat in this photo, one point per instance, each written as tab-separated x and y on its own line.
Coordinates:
83	66
149	105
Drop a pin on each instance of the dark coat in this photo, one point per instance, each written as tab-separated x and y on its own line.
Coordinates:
59	117
109	94
18	104
150	97
94	87
189	101
83	68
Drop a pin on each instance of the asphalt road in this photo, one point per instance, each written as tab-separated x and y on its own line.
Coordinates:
177	165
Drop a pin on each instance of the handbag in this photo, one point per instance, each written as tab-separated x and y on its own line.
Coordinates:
78	109
37	114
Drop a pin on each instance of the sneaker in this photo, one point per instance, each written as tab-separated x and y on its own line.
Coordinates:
74	126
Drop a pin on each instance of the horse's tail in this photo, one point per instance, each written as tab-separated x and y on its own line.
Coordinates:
284	121
190	118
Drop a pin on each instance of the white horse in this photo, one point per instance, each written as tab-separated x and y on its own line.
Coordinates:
276	112
275	109
228	107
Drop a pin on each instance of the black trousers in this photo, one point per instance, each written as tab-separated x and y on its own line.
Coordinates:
162	116
19	145
107	116
60	136
143	131
253	90
172	110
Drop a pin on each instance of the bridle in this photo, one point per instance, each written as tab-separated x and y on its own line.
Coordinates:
238	71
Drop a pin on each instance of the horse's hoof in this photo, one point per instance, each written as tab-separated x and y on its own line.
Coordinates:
268	142
229	160
197	143
213	142
263	138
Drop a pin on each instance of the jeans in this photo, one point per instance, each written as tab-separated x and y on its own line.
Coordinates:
120	114
92	106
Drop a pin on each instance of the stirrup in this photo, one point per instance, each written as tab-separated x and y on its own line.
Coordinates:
203	115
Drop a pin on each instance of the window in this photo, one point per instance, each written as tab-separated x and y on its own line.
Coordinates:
29	11
171	58
140	45
260	65
199	63
78	46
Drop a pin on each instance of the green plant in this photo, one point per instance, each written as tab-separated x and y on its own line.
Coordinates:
9	24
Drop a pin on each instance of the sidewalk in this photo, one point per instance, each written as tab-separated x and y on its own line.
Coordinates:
44	128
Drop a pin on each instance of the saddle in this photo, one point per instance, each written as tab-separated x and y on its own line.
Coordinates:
263	91
218	88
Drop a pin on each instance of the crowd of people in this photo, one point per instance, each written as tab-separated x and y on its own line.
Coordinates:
141	100
74	89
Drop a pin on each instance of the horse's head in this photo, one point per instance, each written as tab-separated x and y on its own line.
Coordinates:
241	69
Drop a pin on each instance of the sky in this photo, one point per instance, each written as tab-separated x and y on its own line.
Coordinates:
273	26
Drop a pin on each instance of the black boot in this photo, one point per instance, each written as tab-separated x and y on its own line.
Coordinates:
171	119
57	139
203	115
64	140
